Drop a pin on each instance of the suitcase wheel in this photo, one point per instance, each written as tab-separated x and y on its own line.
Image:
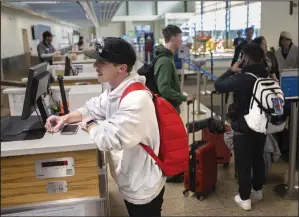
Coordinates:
186	193
200	197
226	165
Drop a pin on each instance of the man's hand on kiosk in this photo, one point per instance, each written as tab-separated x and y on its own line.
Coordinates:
54	124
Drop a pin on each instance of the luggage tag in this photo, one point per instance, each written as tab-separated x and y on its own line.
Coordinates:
277	105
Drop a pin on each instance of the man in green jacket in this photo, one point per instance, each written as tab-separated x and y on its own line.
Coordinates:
166	77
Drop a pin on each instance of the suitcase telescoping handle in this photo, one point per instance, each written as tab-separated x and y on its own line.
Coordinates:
193	119
223	104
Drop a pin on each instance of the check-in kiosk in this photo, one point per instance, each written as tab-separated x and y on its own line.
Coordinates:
289	84
45	174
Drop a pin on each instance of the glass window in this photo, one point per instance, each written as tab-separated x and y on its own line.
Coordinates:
209	21
238	17
255	15
220	20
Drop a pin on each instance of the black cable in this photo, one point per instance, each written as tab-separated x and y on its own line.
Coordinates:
51	95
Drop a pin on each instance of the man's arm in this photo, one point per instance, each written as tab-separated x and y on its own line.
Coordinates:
164	75
95	107
124	129
72	117
231	82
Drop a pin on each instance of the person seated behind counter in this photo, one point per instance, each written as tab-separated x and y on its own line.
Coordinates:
45	49
119	128
248	145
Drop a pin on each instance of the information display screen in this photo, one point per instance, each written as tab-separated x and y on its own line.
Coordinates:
54	164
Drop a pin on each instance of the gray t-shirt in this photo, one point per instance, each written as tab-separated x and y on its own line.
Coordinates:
43	49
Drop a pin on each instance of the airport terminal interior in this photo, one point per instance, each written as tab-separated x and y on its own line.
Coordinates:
66	175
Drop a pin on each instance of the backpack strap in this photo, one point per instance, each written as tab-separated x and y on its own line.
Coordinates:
248	73
140	86
132	87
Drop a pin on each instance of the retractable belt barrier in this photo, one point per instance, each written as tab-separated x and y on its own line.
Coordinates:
200	72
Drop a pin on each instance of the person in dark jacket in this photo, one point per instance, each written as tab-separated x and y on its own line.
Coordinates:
45	49
249	34
239	39
166	77
248	145
270	59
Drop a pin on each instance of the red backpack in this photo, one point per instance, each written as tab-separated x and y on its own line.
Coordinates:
174	149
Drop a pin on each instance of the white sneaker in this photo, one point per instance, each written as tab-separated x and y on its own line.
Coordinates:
257	195
245	204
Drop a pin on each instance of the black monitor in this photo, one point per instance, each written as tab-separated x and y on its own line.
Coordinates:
37	87
27	126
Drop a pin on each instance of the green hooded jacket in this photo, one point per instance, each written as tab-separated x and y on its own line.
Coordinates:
166	78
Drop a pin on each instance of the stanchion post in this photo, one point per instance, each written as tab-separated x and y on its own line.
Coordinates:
290	191
212	62
205	91
182	75
198	95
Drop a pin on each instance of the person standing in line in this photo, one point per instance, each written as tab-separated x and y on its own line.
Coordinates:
287	53
45	49
248	144
238	51
239	39
166	77
119	128
270	59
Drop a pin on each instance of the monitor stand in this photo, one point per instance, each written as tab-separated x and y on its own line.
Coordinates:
15	129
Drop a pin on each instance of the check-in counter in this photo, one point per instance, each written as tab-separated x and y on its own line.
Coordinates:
84	77
76	96
87	61
58	175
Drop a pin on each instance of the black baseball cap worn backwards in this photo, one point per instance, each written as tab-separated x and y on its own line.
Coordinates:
114	50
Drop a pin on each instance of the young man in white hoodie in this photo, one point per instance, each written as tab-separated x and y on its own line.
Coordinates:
119	128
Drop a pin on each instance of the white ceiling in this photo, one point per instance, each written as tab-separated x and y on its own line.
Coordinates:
82	13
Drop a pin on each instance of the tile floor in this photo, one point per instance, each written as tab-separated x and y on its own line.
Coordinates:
219	203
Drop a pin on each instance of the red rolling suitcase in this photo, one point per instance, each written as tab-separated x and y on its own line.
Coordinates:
200	176
217	137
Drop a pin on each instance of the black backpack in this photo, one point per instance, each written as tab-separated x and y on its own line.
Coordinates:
148	70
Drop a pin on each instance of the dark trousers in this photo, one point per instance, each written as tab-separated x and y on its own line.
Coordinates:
152	209
249	150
